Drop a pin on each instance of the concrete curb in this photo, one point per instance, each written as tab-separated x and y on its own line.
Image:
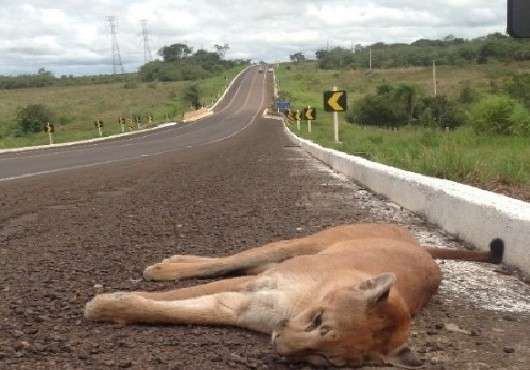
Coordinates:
197	115
474	215
89	141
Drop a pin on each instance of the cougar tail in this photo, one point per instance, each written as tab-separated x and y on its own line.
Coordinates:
493	256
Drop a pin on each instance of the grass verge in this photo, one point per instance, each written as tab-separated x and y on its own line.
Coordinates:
77	107
498	163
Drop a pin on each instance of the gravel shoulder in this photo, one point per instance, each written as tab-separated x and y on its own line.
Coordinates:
65	238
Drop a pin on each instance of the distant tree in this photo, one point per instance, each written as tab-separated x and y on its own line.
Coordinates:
321	54
297	58
175	52
43	72
222	49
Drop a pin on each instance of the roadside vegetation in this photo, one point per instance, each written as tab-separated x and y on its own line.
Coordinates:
476	130
162	89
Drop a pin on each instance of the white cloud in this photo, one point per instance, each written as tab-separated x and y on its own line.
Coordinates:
71	36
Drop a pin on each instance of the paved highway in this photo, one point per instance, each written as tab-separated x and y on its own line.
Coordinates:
239	109
212	188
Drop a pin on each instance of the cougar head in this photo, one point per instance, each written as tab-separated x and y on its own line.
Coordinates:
365	323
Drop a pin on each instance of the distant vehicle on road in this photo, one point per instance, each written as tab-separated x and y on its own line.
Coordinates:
260	70
270	70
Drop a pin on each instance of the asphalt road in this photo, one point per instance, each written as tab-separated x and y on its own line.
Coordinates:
240	107
70	234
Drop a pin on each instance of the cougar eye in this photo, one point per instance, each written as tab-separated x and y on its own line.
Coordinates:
317	320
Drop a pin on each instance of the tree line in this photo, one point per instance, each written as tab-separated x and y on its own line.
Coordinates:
447	51
179	63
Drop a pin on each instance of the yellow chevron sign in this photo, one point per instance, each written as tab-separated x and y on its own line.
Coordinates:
335	101
297	116
49	127
310	114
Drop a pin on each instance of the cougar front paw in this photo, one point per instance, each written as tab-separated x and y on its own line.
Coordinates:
115	307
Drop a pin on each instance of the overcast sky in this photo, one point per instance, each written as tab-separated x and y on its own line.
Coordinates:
71	36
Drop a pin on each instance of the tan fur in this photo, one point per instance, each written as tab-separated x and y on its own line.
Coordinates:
341	297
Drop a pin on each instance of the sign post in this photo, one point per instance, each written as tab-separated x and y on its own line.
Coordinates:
99	125
50	129
297	116
121	121
335	101
336	120
310	114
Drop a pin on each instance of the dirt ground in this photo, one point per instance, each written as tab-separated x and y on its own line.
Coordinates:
66	237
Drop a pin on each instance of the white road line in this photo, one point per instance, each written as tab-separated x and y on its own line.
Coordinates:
33	174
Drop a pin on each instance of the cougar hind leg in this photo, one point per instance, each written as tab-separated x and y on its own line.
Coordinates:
249	261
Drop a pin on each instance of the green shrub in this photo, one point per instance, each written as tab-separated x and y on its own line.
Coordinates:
521	119
193	96
468	95
519	88
499	115
377	110
130	84
32	118
441	111
393	106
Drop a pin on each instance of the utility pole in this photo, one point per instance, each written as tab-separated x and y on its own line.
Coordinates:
148	57
117	64
434	82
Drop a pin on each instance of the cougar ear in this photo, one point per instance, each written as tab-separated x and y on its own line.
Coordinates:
404	358
377	289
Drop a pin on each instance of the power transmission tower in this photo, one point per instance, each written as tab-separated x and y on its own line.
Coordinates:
116	57
148	57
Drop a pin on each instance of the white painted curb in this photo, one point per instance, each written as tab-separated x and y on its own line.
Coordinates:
476	216
89	141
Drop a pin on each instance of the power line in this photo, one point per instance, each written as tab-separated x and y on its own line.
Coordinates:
148	57
116	57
